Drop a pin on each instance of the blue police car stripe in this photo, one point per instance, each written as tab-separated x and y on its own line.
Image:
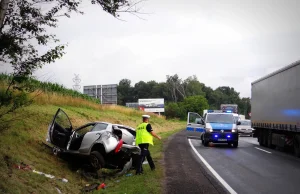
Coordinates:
197	129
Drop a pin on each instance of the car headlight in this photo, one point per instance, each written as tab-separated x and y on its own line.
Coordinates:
233	130
209	129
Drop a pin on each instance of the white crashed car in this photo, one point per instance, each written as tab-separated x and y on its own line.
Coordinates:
106	145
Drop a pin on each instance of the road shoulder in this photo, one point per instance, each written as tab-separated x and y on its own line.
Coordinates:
184	173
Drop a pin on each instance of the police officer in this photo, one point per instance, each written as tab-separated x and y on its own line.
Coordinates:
144	137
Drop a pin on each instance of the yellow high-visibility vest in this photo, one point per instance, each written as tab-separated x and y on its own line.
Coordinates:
142	135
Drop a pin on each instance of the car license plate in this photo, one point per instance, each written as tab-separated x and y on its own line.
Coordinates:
222	139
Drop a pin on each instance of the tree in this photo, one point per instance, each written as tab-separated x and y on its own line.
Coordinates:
161	91
175	87
24	25
195	104
125	92
230	96
193	87
245	107
173	110
25	41
141	90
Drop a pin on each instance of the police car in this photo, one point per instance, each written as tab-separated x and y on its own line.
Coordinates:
215	127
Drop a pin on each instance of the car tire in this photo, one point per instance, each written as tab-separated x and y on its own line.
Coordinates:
96	160
235	144
205	143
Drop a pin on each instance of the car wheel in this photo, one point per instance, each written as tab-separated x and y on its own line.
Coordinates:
205	143
235	144
97	160
202	139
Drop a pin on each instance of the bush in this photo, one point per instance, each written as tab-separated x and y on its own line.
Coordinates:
190	104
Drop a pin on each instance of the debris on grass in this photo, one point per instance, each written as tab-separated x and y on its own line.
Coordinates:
94	186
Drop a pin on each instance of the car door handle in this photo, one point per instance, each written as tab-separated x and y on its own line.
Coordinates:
189	124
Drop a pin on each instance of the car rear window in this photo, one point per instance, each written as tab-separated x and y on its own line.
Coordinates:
100	127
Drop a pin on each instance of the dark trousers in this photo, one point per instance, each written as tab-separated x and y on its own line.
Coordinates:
145	153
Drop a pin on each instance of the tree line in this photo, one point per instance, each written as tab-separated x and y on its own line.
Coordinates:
182	95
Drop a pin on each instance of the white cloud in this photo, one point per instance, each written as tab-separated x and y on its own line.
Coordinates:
229	42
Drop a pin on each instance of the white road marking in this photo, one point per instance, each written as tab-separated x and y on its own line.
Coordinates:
263	150
222	181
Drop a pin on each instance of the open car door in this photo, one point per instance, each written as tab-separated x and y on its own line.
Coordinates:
195	122
60	129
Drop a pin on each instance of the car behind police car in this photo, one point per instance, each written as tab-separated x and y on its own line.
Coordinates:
245	128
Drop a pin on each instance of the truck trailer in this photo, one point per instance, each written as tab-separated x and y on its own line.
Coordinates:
275	109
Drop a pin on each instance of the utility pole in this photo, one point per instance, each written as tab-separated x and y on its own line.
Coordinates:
3	8
76	80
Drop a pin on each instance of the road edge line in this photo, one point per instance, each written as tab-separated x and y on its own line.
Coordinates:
222	181
263	150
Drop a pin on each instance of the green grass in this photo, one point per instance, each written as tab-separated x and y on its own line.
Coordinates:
22	142
49	87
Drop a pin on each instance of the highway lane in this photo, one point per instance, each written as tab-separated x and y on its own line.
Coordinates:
251	168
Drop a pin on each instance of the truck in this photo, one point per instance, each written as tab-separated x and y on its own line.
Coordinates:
229	108
275	112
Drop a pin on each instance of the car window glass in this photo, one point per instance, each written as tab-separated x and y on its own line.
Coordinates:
194	118
246	123
100	127
85	130
220	118
63	120
132	131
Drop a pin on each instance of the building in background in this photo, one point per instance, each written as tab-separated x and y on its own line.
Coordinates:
107	94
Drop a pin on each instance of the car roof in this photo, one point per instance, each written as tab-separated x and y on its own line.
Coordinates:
126	126
102	122
215	113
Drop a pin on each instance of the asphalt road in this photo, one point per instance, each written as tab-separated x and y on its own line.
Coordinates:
250	168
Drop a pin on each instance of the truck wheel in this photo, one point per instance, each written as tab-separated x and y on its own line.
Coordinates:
296	147
261	137
97	160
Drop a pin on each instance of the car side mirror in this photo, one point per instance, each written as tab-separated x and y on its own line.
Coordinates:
238	123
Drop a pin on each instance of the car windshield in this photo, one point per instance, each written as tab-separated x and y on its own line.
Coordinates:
248	123
219	118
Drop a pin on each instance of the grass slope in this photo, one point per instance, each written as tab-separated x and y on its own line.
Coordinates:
22	142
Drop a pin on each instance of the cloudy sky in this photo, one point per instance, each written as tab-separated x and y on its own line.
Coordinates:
222	42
